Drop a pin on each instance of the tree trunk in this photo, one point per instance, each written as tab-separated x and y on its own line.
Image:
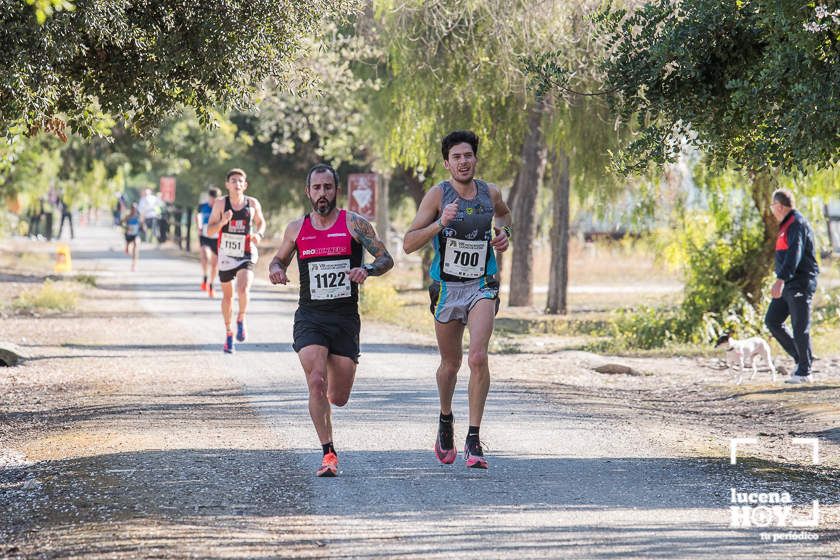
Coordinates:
500	257
525	225
559	273
383	222
754	273
416	190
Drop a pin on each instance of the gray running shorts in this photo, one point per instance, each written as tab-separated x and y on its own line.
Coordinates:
454	300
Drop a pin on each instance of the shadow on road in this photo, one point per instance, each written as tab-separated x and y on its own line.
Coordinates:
123	502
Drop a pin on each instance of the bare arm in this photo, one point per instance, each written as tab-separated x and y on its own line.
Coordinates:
503	231
503	216
283	257
424	227
363	232
259	221
218	217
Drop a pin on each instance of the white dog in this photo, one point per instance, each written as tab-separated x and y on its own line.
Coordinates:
741	352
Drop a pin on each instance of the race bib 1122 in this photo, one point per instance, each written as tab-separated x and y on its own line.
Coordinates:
329	279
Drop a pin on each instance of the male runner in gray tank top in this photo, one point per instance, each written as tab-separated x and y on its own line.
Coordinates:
457	217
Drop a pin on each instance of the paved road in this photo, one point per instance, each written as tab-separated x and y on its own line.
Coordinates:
565	481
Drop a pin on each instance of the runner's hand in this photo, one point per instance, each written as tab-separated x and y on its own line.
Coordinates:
277	275
227	217
776	290
358	275
256	238
449	213
500	242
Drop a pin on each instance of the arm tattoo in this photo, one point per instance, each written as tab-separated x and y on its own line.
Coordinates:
367	237
283	263
278	261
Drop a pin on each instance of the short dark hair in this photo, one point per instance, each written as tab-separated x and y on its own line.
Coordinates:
722	338
321	168
214	192
458	137
235	171
783	197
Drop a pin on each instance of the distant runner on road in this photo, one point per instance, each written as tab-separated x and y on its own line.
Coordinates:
133	224
207	244
457	216
149	207
328	242
239	222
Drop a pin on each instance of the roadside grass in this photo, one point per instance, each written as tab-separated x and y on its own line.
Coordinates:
25	261
380	301
88	280
611	280
48	297
529	331
787	473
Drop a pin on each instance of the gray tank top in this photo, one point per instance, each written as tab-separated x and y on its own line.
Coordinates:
462	249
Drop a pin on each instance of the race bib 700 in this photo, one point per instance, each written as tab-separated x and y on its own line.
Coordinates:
465	258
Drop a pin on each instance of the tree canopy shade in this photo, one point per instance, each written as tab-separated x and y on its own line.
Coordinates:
753	83
138	61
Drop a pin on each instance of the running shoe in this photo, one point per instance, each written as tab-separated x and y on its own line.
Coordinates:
240	331
473	454
204	286
445	444
229	348
329	466
210	292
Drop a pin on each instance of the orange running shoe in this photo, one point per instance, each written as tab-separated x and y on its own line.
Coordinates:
329	466
204	286
210	292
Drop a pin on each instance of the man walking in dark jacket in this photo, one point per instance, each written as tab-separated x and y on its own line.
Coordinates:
796	282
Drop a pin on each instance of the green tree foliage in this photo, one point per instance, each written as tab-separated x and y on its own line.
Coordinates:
196	155
326	122
755	85
46	8
140	61
455	65
752	83
37	163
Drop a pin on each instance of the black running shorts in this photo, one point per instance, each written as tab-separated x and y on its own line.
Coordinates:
339	332
229	275
210	243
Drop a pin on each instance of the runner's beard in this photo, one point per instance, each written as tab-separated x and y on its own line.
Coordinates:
323	209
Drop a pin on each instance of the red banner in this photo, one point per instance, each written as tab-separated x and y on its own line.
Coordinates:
167	189
361	193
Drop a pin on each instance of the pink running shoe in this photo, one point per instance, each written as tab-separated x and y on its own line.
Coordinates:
473	454
228	347
445	445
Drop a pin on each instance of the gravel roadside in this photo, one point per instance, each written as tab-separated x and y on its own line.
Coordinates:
128	434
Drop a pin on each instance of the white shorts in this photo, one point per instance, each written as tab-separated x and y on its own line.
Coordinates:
454	300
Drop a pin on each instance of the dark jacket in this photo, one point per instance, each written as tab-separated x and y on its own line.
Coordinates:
796	262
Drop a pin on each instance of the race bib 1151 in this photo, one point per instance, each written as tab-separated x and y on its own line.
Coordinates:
232	245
